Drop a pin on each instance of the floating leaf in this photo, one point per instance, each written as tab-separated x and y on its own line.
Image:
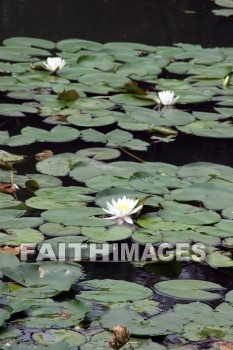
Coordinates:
70	95
114	291
9	157
54	336
189	289
15	110
8	260
27	41
58	276
19	236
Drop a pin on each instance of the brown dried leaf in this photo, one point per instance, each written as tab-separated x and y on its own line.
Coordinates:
7	188
222	345
12	250
44	155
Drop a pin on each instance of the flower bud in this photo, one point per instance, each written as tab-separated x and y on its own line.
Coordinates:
120	337
226	81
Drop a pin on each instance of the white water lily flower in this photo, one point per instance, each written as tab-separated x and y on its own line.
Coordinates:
122	209
54	64
166	98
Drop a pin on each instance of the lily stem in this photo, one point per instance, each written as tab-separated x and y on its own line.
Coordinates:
132	155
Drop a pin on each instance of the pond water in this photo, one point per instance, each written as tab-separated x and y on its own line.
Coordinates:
150	22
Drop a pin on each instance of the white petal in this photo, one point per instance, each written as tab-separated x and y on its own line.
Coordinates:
112	218
128	220
108	204
175	99
133	204
108	211
54	63
136	209
45	65
111	207
156	99
114	203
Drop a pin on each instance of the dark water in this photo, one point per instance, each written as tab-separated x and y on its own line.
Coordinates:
155	22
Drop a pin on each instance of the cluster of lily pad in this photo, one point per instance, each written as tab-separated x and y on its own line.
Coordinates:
192	203
61	325
226	10
130	88
92	85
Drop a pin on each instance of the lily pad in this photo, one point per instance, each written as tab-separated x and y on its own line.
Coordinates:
8	260
53	314
71	216
15	110
114	291
54	336
189	289
58	276
16	237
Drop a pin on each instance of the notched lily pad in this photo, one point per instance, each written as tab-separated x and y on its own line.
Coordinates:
114	291
189	289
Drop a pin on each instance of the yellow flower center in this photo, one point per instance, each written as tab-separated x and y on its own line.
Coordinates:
122	207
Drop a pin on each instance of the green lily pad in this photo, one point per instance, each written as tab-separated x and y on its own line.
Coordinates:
215	196
9	157
29	346
86	120
99	341
102	235
27	41
114	291
131	100
15	110
57	134
16	237
4	315
217	259
74	45
187	214
162	324
19	223
73	217
58	165
7	201
99	183
209	129
189	289
225	3
100	153
58	276
53	336
8	260
55	314
55	230
58	197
